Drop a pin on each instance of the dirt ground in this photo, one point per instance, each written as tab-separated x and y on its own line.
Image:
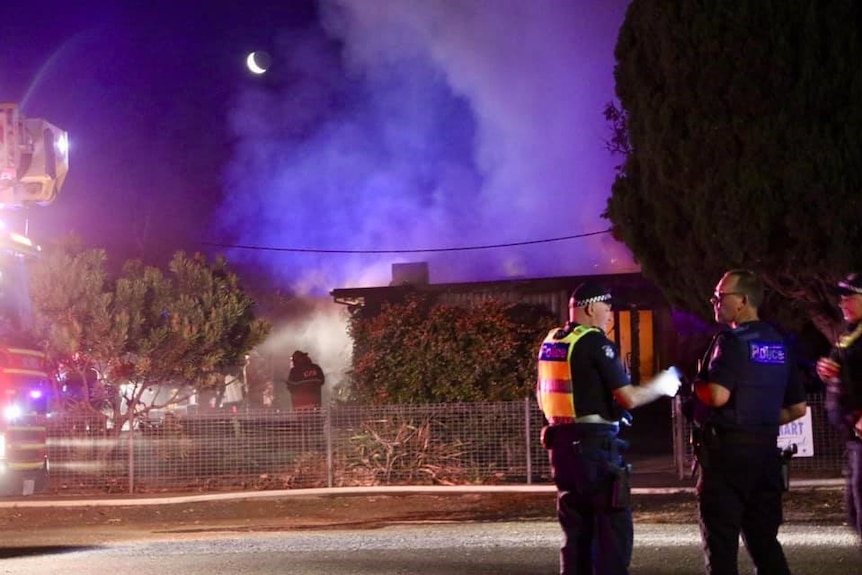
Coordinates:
23	525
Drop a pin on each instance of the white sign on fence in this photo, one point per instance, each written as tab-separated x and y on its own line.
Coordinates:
800	433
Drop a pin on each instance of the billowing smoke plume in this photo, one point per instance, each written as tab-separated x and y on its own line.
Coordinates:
429	124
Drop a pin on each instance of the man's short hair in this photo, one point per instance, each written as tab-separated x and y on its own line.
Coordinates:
749	284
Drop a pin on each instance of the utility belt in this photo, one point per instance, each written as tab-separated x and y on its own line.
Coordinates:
596	435
711	436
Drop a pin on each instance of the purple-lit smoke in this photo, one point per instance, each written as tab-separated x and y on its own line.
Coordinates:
415	124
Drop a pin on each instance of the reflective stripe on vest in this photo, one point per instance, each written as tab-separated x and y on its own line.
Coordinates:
849	339
554	384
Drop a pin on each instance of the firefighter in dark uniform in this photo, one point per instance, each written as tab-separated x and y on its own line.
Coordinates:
305	381
583	391
747	386
841	371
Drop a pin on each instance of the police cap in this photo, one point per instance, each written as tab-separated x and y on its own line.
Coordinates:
592	292
850	285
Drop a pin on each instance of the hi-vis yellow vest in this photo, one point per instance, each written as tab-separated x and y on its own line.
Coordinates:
554	384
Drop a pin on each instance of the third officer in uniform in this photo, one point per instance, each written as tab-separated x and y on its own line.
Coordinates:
583	391
841	371
746	388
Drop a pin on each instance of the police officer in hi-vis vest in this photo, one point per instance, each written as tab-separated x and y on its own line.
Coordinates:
583	391
747	386
842	374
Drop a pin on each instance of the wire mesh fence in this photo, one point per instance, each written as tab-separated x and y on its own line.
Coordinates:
343	445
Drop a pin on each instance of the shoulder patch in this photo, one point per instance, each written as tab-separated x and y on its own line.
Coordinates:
609	351
722	342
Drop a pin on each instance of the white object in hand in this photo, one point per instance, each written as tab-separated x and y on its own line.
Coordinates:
667	382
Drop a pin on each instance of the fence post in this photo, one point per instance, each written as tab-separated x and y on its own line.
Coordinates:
527	440
327	431
131	456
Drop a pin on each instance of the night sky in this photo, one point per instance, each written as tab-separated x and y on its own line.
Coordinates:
382	125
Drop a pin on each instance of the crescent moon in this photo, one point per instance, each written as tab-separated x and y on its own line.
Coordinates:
253	65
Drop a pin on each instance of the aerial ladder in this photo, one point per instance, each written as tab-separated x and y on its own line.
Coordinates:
34	161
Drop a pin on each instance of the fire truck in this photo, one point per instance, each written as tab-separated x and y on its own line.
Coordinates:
34	160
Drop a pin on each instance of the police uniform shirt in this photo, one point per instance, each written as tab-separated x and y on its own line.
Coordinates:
755	355
596	372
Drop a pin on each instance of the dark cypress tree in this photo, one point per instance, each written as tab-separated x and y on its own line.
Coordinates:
741	126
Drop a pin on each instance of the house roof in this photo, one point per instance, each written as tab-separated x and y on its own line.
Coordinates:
631	288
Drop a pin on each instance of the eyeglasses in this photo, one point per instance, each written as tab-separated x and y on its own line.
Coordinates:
719	295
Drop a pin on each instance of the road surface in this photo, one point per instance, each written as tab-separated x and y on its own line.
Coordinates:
477	548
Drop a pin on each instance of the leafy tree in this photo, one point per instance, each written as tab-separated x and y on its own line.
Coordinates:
72	311
741	126
418	351
143	329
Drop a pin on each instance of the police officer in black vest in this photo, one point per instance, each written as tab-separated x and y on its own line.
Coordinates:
746	388
841	371
583	391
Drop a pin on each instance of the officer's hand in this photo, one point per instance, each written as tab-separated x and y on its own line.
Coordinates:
667	382
827	369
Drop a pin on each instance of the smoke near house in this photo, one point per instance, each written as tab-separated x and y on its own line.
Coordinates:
428	125
314	325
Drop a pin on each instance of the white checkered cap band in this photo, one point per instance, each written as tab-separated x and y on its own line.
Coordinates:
594	299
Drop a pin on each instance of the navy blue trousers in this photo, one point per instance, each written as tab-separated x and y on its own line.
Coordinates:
740	490
597	538
853	489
